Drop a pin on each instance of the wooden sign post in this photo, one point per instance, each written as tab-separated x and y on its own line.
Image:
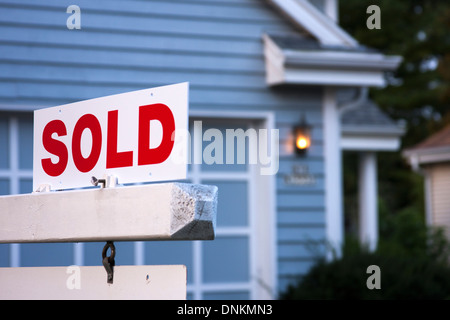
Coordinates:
88	283
168	211
125	138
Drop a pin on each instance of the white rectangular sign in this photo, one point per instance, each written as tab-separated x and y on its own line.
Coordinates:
133	136
89	283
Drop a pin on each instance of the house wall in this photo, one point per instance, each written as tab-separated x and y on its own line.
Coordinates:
439	175
123	46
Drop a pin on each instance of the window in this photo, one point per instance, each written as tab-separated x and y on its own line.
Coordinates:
223	266
16	176
16	153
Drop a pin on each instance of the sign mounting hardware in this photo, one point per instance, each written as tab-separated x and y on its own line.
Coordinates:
96	181
109	262
108	181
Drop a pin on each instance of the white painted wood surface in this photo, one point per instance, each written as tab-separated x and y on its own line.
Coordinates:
368	200
89	283
169	211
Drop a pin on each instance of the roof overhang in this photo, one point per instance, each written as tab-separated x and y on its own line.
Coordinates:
426	156
371	138
326	66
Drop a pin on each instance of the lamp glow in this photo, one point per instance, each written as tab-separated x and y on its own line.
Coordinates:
302	142
302	137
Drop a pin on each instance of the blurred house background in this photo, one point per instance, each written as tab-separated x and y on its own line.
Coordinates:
250	64
431	158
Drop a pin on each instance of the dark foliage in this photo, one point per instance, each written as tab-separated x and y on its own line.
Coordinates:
413	262
401	278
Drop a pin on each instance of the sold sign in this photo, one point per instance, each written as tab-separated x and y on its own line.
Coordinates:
132	136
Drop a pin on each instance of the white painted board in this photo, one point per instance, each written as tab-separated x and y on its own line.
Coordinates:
166	211
138	136
89	283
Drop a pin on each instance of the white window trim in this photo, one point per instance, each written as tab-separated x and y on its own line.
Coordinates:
14	174
262	215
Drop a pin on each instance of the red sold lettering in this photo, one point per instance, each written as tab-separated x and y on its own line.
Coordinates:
114	158
163	114
55	147
88	121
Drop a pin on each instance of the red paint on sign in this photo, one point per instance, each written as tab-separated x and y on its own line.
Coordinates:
114	158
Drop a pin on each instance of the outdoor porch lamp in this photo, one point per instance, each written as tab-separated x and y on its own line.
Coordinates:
302	137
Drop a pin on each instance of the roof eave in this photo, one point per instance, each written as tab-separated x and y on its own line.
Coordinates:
325	67
341	60
423	156
379	130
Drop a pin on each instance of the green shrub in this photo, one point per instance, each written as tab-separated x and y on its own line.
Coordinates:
412	258
401	278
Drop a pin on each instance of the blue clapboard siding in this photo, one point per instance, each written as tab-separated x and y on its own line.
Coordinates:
132	46
300	208
123	46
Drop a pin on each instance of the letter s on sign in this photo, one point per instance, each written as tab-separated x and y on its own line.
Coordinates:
55	147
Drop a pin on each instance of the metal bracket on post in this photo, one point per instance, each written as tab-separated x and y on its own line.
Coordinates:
109	262
96	182
108	181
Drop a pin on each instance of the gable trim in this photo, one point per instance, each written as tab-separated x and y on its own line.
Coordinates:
307	17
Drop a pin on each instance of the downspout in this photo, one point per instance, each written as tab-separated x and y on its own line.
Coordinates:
360	98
